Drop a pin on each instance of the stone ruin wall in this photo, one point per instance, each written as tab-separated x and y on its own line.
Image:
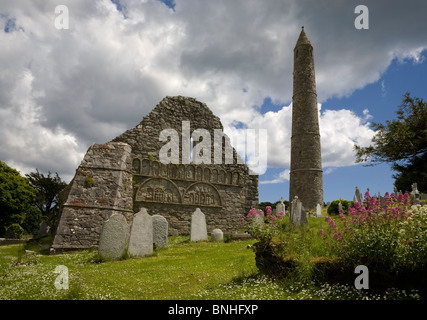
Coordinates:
101	186
126	174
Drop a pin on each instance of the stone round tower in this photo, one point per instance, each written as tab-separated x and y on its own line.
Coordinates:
306	176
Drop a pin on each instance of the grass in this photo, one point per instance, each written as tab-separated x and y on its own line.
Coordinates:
183	271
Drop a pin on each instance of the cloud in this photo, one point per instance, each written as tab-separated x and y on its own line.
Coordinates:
115	63
282	177
340	130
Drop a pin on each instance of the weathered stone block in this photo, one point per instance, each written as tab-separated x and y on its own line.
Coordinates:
141	236
114	238
160	231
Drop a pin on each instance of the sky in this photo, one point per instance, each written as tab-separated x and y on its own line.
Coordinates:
65	87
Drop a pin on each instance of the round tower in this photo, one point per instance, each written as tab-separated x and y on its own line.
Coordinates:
306	176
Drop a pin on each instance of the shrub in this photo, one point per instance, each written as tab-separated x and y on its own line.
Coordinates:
390	237
264	226
15	231
333	207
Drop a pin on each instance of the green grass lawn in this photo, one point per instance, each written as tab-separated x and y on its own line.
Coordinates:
183	271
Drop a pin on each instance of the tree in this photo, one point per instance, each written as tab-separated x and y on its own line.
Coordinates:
403	143
48	188
16	201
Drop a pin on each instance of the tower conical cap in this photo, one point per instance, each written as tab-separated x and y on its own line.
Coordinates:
302	39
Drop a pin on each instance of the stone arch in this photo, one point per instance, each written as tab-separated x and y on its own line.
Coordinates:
207	175
222	176
199	174
164	170
145	167
181	171
159	190
202	193
214	176
190	172
136	165
173	171
229	178
236	178
155	168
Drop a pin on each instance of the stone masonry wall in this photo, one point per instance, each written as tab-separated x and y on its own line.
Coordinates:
126	174
102	186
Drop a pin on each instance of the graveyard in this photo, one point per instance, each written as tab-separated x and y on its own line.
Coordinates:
142	220
197	266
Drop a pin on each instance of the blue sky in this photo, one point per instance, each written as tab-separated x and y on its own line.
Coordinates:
61	90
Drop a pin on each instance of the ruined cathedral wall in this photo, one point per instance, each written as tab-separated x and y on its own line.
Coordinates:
224	192
101	186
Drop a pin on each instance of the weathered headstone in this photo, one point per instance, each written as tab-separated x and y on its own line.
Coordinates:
160	231
198	226
114	237
339	207
298	215
43	229
141	235
359	196
217	235
318	211
280	207
415	194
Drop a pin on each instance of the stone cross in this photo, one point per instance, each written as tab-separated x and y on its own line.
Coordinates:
141	235
280	207
298	215
160	231
198	226
114	237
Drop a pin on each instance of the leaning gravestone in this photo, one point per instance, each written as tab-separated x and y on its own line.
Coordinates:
217	235
141	235
298	215
160	231
198	226
114	237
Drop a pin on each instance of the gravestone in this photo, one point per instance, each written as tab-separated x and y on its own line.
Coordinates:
280	207
114	237
415	194
339	207
298	215
318	211
217	235
160	231
43	229
198	226
259	219
141	235
358	196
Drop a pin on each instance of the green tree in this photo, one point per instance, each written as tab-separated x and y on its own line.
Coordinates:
47	200
403	143
16	201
